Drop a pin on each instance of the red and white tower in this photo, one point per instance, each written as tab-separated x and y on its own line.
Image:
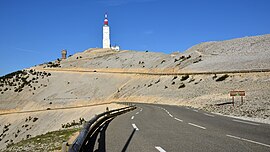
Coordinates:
106	33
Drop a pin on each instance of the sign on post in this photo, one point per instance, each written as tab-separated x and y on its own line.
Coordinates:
237	93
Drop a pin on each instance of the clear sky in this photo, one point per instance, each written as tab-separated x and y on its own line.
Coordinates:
35	31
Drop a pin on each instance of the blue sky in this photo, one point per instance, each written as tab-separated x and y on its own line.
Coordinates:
35	31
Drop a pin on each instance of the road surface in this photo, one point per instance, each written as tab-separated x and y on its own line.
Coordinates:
164	128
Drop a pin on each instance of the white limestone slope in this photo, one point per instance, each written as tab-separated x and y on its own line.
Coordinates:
236	54
75	83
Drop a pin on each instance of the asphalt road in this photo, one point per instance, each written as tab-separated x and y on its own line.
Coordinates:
154	128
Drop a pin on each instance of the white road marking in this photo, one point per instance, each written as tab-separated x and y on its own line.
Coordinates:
195	110
178	119
141	110
135	127
208	115
137	113
160	149
132	117
246	122
167	112
255	142
196	125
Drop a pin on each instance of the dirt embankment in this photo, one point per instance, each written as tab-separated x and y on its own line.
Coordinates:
20	126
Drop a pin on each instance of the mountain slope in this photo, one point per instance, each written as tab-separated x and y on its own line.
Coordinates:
67	82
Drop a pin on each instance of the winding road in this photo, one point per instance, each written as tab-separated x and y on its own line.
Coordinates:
164	128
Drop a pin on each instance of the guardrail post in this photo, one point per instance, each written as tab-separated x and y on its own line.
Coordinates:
64	146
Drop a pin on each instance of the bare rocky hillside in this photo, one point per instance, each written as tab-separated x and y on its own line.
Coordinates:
237	54
104	75
86	77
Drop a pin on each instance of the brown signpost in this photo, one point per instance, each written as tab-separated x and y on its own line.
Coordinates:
237	93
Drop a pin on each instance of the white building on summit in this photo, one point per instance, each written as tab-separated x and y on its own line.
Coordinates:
106	33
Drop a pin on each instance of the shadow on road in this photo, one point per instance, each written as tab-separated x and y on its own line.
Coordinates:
128	141
101	146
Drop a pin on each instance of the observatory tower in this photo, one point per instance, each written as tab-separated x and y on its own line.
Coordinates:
106	33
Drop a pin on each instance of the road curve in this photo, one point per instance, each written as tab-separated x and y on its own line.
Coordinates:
161	128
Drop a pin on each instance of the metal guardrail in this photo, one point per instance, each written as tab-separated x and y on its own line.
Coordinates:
92	125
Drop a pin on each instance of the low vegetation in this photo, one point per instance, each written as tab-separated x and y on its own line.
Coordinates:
50	141
222	78
182	85
74	123
185	77
52	64
17	81
199	60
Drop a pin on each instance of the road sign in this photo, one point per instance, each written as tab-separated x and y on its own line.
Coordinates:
237	93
